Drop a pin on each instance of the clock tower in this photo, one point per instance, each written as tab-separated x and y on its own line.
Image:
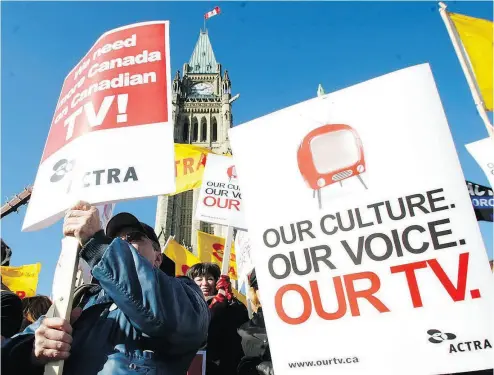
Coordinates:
202	115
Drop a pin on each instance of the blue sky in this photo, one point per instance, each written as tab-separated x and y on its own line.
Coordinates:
276	53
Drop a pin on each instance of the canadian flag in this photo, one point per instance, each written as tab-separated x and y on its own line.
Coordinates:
212	13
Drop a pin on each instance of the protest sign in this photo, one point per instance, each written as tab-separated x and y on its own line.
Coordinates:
182	257
220	199
385	272
482	201
483	153
212	249
22	280
111	137
243	257
189	166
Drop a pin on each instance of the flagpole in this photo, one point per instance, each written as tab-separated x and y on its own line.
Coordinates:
467	69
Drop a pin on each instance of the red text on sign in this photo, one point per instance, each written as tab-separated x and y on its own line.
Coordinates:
312	298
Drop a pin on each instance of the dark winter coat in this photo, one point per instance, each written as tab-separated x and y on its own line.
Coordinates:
139	320
224	347
257	359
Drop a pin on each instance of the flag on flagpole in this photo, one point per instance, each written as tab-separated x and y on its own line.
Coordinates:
476	35
210	249
182	257
472	41
212	13
22	280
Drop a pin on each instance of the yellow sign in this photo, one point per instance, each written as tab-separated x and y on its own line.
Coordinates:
189	166
182	257
210	249
22	280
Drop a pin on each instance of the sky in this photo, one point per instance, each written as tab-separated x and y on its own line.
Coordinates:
276	54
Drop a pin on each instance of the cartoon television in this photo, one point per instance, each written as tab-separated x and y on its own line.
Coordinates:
329	154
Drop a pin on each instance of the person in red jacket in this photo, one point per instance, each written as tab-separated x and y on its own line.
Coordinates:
224	348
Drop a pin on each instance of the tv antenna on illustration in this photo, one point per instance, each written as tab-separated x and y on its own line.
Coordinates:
328	154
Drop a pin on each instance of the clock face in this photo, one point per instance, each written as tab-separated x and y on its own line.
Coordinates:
202	88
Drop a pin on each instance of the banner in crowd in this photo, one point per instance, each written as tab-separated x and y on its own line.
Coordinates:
220	199
22	280
210	249
243	257
111	137
363	235
483	153
482	201
190	161
182	257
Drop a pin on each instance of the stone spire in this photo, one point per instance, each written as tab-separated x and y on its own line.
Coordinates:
202	60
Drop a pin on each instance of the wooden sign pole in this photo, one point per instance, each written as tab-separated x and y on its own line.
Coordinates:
225	266
62	302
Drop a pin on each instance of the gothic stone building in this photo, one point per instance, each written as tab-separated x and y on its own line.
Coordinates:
202	116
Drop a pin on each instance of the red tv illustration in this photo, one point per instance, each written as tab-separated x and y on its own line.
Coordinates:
329	154
232	173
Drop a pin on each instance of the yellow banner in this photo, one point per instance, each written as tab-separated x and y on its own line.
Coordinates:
182	257
476	35
22	280
189	166
210	249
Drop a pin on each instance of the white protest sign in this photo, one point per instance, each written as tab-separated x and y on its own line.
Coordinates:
366	247
111	137
242	254
220	199
483	153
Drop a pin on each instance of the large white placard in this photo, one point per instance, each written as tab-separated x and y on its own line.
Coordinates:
111	136
220	199
366	247
483	153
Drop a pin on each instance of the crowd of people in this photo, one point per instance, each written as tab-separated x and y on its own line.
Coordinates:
135	315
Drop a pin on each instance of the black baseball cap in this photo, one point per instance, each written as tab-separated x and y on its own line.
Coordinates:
126	220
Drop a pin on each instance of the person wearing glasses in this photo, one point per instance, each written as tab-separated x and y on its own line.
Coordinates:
134	319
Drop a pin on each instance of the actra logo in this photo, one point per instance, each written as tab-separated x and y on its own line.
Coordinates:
437	337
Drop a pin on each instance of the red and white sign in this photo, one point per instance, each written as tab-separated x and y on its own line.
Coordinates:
366	247
111	137
220	199
212	13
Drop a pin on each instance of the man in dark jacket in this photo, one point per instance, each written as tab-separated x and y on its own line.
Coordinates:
136	319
